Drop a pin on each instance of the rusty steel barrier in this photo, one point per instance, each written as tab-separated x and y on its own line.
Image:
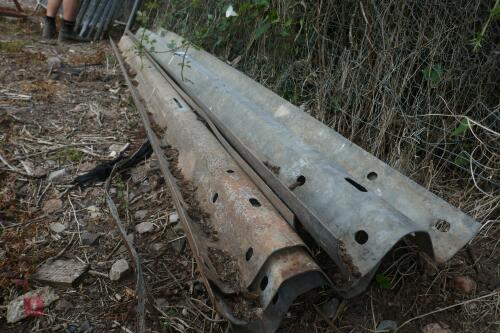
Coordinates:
268	264
18	12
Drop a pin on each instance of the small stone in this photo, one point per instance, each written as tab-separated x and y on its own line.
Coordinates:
139	173
184	312
63	305
154	181
30	304
330	307
52	206
72	328
435	328
89	238
118	297
387	326
158	247
29	167
132	195
93	209
161	302
179	244
57	174
144	227
115	149
54	63
57	227
144	188
464	284
64	273
130	238
84	326
173	218
141	214
119	269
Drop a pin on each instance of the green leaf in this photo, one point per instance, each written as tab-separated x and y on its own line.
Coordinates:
461	128
462	159
261	30
495	12
383	281
433	74
262	3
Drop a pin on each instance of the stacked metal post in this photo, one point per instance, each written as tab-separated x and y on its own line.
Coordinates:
94	17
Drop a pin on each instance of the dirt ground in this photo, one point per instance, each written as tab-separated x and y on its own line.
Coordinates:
67	114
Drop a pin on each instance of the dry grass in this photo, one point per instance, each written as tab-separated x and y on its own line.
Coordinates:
396	78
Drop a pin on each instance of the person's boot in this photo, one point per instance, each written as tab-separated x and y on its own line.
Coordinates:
49	27
68	34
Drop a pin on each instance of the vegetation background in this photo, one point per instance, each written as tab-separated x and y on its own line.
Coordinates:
416	83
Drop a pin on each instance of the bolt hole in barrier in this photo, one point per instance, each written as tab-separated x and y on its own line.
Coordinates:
178	103
249	254
275	298
361	237
358	186
215	197
372	176
442	225
301	180
264	282
254	202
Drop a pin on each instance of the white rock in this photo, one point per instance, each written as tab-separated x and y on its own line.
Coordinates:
119	269
158	247
144	227
57	174
29	167
130	237
173	218
141	214
387	326
29	304
115	150
57	227
435	328
94	212
89	238
54	63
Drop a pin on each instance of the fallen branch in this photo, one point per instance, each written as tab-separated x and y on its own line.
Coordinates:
136	261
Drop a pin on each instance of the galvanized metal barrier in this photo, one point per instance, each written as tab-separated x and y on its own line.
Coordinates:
94	17
273	265
364	204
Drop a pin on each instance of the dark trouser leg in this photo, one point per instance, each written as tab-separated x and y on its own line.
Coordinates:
49	26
